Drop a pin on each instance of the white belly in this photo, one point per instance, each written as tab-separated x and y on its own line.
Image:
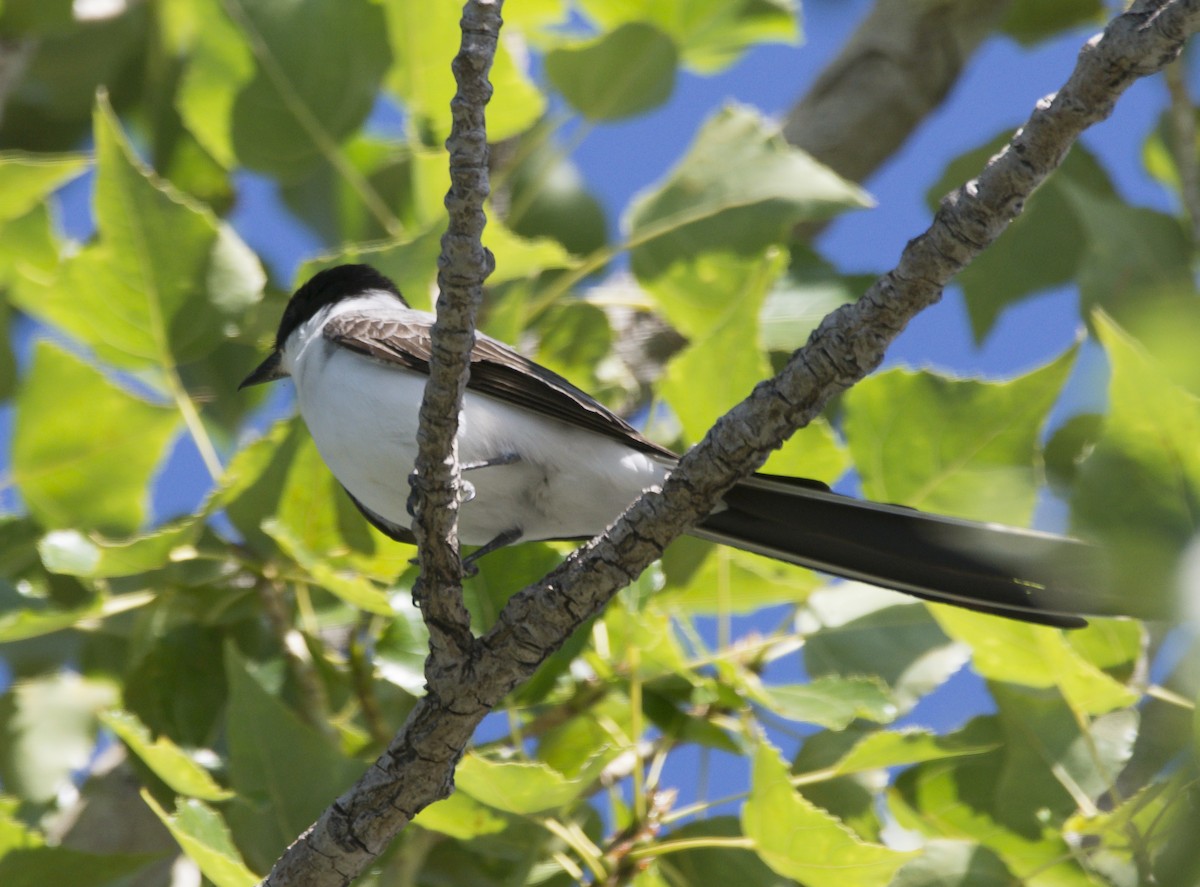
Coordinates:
568	483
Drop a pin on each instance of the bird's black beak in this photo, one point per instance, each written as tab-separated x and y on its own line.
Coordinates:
267	371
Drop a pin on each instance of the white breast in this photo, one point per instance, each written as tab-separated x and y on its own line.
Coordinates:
362	414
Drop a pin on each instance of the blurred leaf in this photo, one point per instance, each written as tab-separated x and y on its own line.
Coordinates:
48	731
894	748
424	35
550	197
518	257
254	482
701	866
514	786
206	840
802	841
1137	490
175	683
954	799
1034	656
706	578
168	761
460	817
318	67
220	64
723	358
954	864
143	296
1132	254
868	631
622	73
349	585
959	447
42	865
268	747
36	17
799	300
27	180
711	34
76	554
739	189
51	109
1030	21
832	702
1051	764
95	480
1068	446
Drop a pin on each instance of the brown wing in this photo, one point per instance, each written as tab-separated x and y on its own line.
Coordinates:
496	370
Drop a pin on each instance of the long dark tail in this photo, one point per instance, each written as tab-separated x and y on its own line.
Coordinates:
1020	574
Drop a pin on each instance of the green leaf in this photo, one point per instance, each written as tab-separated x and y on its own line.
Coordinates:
21	625
349	585
318	67
1052	766
714	300
98	479
622	73
1030	21
168	761
712	34
739	189
48	731
143	297
550	197
269	751
39	866
204	837
800	299
954	799
514	786
953	446
424	36
703	866
955	864
895	748
831	701
868	631
801	841
75	554
460	817
1132	254
1136	491
706	578
1034	656
27	180
220	64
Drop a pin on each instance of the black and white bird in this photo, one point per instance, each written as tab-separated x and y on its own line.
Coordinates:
543	460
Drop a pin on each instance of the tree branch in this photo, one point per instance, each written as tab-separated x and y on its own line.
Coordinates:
463	266
417	767
897	67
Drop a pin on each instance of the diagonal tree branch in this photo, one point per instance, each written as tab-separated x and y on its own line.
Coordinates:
417	768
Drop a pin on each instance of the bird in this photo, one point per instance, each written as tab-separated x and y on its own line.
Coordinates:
543	460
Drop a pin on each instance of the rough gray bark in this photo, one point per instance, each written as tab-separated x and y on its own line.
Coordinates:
417	768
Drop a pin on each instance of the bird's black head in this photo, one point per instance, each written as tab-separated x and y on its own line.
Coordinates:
326	287
329	287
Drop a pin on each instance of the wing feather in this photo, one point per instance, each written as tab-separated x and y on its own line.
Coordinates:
496	370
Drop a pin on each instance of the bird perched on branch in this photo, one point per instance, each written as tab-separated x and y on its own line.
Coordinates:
541	460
